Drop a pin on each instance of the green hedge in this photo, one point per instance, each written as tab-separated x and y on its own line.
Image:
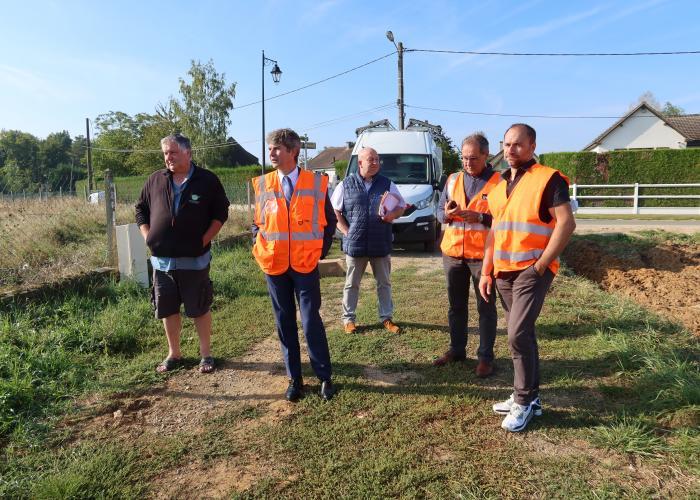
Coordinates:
653	166
340	167
234	180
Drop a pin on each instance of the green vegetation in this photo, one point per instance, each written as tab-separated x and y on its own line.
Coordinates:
341	167
621	393
234	180
653	166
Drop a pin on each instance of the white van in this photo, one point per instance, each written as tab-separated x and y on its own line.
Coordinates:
413	160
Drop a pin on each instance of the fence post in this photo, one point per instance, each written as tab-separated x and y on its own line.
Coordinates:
636	198
575	187
109	212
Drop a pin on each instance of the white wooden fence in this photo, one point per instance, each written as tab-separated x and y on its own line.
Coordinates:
635	197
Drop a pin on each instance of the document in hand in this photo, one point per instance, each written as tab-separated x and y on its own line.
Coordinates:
388	203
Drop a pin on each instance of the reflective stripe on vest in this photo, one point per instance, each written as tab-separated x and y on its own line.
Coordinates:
524	227
520	236
466	239
295	231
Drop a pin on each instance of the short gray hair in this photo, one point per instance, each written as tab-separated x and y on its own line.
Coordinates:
182	141
478	138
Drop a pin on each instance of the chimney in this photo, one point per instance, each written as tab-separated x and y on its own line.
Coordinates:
500	145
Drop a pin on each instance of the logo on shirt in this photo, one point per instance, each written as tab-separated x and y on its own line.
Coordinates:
195	198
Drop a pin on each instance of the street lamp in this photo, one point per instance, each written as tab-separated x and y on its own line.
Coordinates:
276	73
399	101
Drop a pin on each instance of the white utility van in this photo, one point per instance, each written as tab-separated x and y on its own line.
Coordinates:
413	160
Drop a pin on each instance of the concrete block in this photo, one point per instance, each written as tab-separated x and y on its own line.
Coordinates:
331	267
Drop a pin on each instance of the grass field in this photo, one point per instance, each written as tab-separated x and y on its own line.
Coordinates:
44	241
621	394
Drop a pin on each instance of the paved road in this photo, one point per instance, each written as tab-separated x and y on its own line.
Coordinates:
627	225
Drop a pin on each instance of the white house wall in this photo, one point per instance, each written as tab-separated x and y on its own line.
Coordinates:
648	131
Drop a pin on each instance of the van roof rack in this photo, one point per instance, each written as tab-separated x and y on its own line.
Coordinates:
413	124
435	130
384	124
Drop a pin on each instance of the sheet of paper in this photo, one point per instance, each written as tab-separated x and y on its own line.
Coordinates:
388	203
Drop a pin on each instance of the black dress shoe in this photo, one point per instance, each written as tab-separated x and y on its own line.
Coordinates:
327	390
295	391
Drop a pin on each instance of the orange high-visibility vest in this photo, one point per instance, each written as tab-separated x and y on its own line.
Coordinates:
289	236
463	239
520	237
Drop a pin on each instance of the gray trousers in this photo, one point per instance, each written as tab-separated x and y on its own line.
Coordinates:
458	273
381	268
522	296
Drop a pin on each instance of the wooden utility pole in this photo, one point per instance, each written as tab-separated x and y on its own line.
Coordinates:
402	115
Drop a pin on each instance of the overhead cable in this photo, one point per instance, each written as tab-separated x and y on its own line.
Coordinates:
557	54
317	82
554	117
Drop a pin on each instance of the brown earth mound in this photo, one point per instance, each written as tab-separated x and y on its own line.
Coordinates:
665	278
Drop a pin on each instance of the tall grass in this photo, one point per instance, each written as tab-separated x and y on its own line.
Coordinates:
44	241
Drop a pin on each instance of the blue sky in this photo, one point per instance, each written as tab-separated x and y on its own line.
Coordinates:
64	61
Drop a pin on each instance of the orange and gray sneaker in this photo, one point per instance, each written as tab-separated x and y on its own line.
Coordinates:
391	326
350	327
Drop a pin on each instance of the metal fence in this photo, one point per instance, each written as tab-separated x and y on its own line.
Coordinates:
48	236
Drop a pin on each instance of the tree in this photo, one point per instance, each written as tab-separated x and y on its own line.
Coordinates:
21	151
672	110
55	160
450	157
203	112
147	157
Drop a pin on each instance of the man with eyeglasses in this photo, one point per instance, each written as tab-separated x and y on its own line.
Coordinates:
364	218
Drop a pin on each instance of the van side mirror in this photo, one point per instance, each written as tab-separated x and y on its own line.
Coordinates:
441	183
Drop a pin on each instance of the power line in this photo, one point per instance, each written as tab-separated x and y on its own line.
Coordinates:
557	54
554	117
347	117
317	82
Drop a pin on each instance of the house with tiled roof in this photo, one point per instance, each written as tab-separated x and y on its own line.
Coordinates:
326	159
644	127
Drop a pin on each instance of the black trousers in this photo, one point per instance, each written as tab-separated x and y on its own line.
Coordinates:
458	273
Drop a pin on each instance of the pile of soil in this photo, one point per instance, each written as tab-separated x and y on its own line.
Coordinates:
663	278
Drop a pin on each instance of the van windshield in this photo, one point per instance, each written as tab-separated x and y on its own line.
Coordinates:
402	169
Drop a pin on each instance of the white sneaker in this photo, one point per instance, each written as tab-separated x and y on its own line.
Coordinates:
518	418
503	408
